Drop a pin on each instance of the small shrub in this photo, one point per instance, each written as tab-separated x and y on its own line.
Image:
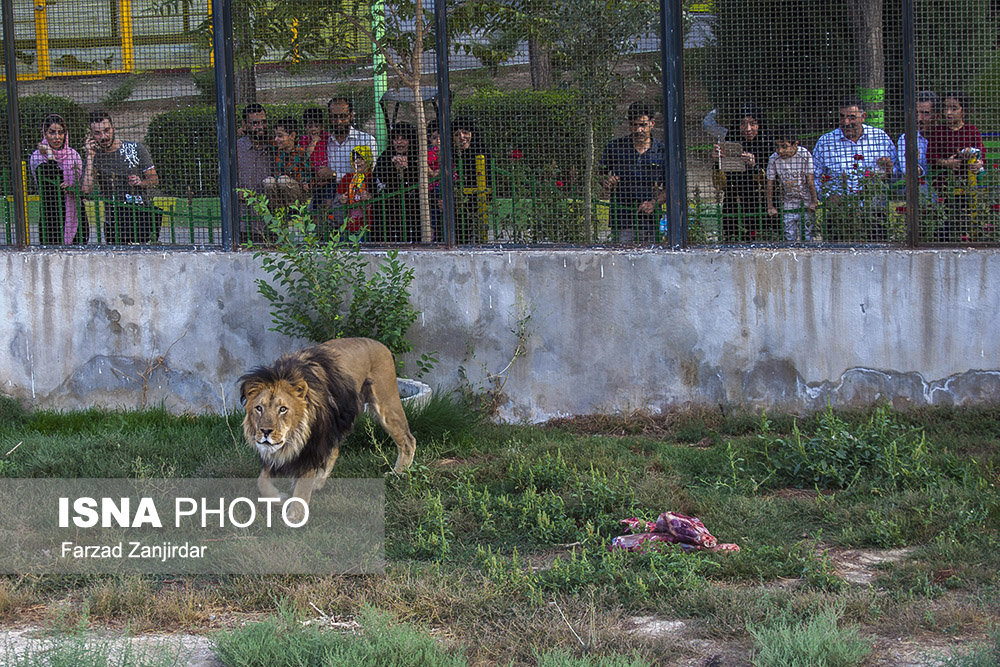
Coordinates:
882	451
433	535
118	95
543	127
817	642
985	654
563	658
285	641
321	290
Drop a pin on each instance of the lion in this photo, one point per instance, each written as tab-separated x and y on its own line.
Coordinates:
300	408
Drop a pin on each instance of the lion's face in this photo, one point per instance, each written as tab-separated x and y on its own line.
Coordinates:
276	420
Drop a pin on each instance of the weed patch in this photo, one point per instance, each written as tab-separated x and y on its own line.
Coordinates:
881	451
817	642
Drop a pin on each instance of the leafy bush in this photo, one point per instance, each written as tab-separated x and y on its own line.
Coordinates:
543	130
184	146
881	451
815	643
322	289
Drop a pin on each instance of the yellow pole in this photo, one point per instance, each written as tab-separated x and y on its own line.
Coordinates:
24	204
42	39
481	193
128	52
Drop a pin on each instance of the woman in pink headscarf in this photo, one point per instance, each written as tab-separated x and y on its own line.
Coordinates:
57	168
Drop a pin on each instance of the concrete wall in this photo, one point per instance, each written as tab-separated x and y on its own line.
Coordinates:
602	331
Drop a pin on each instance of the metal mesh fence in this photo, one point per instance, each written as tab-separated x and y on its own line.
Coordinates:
793	122
786	90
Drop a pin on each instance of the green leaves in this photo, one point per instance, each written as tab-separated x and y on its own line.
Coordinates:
881	451
321	289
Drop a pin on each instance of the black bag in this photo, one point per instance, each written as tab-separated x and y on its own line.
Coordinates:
52	211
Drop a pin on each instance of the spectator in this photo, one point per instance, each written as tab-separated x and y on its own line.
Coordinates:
472	179
633	176
292	172
254	162
125	175
397	171
955	152
57	168
853	160
342	140
314	140
433	149
926	119
356	188
434	175
743	188
791	166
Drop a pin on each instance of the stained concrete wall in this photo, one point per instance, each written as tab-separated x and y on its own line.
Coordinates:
562	332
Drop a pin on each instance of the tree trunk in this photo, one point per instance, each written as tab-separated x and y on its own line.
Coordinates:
423	170
540	65
423	181
866	18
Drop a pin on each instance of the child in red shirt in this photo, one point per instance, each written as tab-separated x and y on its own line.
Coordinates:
357	188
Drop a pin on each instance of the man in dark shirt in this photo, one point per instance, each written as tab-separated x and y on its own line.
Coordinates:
125	175
633	168
254	165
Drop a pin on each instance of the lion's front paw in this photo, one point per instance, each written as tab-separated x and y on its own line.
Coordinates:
295	512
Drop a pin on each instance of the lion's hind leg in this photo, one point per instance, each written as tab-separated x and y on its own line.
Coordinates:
388	410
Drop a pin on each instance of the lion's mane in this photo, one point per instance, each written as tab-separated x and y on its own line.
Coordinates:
330	406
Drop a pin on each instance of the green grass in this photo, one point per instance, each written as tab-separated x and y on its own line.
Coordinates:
816	642
497	537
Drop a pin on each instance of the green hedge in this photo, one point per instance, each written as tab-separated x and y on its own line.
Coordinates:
185	149
545	131
545	126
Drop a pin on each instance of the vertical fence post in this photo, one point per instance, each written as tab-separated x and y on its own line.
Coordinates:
14	126
446	183
379	75
674	176
910	124
225	120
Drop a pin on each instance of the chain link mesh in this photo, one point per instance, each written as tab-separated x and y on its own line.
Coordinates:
794	122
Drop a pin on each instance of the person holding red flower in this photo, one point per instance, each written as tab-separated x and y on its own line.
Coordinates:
848	162
955	155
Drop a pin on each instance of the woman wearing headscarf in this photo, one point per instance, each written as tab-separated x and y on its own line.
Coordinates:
57	168
397	172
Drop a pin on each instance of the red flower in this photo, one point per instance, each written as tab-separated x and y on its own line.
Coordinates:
868	173
965	238
859	157
826	178
559	184
996	207
516	154
901	209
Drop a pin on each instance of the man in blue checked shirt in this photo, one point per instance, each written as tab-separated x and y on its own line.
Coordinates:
854	160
